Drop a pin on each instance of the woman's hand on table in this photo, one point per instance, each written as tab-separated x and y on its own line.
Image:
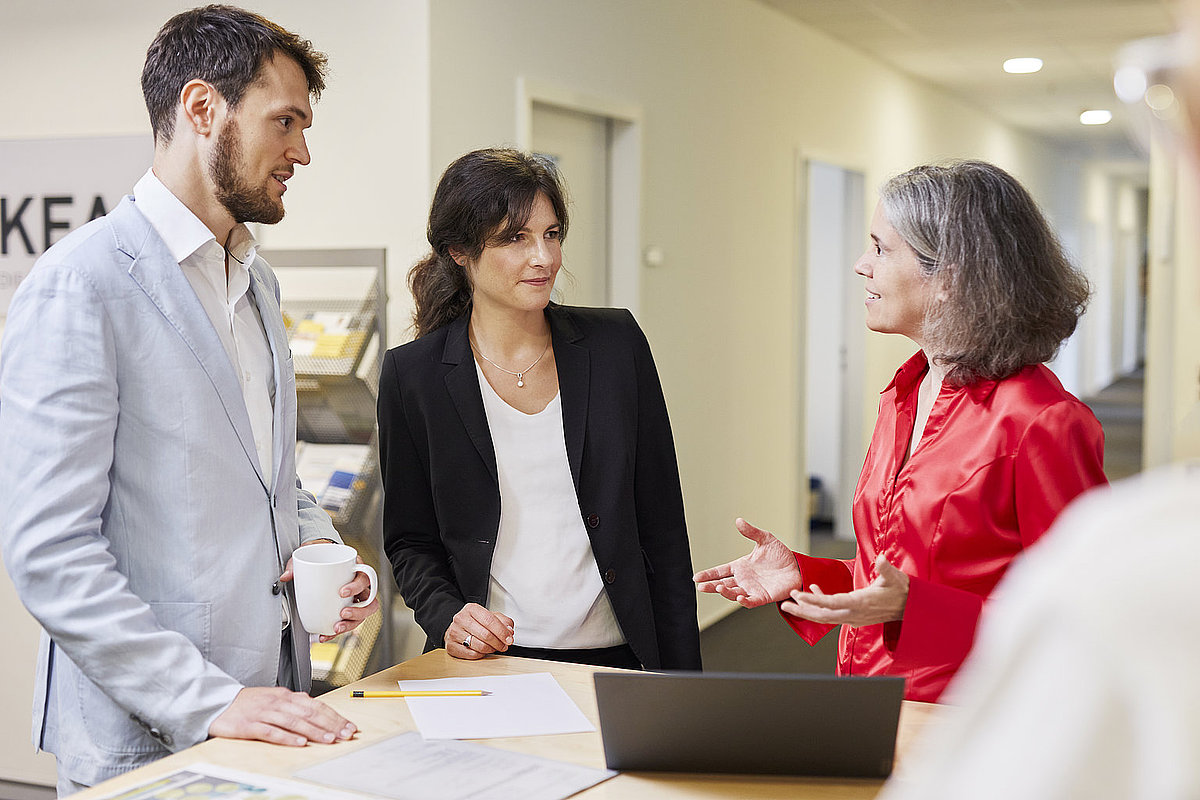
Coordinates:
881	601
766	575
476	632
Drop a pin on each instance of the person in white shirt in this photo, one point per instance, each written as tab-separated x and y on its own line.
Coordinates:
1083	681
148	421
532	503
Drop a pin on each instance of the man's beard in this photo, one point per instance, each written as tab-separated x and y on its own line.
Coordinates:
244	203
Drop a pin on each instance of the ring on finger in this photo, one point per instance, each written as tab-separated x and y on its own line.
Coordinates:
467	642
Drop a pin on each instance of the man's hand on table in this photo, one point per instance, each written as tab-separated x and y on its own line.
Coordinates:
280	716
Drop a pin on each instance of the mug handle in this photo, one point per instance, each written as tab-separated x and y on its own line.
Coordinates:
369	571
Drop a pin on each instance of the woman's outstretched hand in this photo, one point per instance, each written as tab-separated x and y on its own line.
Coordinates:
767	575
883	600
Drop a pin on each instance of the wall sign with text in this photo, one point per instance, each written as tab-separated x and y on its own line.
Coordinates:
49	187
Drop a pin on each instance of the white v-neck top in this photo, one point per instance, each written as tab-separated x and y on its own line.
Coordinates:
544	575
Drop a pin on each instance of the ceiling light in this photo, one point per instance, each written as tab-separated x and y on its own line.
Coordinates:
1130	83
1096	116
1021	66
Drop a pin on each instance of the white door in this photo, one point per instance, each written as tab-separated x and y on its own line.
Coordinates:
835	236
579	143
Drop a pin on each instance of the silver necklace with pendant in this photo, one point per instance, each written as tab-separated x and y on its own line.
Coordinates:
520	376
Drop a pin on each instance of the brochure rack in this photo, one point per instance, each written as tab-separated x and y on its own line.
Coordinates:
334	307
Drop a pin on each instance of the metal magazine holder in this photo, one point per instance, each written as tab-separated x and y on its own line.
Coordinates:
334	306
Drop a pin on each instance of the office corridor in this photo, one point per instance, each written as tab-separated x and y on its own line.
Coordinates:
1119	407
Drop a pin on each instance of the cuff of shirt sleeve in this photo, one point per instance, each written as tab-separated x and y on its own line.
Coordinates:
938	626
833	577
811	632
223	701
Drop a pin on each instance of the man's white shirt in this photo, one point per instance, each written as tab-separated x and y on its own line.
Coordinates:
226	299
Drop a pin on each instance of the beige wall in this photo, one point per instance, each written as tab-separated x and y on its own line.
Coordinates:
72	69
729	92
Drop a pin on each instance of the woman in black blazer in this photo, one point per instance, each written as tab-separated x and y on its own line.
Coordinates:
532	500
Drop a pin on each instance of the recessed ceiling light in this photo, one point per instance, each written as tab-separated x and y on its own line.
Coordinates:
1021	66
1130	83
1096	116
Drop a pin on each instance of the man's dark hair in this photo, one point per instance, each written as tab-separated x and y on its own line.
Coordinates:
225	46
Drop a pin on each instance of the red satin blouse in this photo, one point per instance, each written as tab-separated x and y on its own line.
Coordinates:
997	462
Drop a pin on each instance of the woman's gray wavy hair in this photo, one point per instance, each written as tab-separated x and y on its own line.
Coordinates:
1009	296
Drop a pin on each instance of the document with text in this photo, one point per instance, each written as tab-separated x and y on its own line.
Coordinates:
407	767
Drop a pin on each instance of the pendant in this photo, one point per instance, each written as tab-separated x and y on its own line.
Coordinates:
520	380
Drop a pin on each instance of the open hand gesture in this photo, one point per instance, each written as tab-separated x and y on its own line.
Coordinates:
883	600
767	575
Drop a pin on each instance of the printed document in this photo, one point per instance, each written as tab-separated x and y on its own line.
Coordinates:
209	782
406	767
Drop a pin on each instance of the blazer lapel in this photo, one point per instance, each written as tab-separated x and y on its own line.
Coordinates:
462	383
574	377
158	274
272	321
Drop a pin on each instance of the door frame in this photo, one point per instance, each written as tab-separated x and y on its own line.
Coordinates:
851	436
624	178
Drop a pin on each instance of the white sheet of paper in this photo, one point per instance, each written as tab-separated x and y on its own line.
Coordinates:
406	767
519	705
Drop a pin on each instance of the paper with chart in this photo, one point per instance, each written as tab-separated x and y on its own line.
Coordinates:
406	767
209	782
519	705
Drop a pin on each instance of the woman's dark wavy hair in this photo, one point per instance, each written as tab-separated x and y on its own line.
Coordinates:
225	46
1009	296
484	198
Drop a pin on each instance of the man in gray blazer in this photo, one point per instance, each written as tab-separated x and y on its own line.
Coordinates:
149	505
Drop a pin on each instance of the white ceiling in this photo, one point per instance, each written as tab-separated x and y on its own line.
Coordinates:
959	45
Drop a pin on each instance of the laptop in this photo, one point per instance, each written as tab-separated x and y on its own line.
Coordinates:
749	722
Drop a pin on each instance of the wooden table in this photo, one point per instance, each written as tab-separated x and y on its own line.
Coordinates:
380	718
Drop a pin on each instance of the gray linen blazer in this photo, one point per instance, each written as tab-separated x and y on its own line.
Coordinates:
135	520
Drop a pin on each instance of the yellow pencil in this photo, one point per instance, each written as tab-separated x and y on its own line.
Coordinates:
431	693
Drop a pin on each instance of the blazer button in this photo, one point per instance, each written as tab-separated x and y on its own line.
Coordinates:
593	521
155	733
610	575
276	588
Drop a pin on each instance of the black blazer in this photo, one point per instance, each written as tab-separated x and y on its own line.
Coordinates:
441	508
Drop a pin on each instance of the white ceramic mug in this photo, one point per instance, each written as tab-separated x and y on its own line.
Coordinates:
319	572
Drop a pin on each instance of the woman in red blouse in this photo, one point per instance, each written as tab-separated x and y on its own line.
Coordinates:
977	446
